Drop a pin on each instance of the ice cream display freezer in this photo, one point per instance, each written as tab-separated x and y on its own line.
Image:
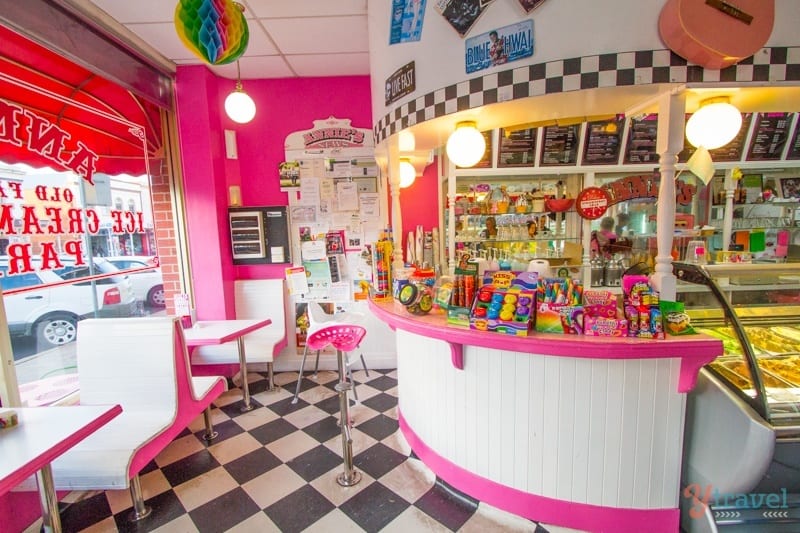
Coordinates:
741	466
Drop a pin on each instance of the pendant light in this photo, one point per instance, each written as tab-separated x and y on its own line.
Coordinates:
466	145
407	173
238	105
715	124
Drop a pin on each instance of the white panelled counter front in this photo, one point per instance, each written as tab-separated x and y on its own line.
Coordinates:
578	431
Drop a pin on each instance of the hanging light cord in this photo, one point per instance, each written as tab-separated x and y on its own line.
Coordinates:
238	78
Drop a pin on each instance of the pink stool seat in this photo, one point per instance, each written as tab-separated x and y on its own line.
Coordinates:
343	337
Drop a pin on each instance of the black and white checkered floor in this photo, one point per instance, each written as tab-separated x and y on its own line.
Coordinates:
274	469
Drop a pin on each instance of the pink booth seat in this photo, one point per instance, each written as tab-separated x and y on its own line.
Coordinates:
254	299
143	365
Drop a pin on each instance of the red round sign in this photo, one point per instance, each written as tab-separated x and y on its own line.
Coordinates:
592	203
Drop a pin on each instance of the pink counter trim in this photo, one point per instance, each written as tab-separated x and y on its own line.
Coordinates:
694	351
576	515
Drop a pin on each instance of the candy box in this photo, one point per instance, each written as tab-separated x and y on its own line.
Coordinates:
605	327
507	279
600	304
502	311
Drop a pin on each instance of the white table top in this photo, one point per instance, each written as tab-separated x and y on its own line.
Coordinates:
44	433
205	332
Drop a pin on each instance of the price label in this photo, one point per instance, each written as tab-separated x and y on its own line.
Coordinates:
592	203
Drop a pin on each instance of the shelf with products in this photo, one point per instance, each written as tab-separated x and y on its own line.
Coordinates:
512	215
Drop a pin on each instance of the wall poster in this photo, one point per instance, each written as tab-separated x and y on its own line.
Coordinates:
499	46
407	19
461	14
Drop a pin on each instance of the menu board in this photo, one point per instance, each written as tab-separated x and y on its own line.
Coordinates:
730	152
794	145
486	160
642	134
603	141
516	148
769	136
560	145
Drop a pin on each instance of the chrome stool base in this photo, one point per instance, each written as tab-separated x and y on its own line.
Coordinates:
350	476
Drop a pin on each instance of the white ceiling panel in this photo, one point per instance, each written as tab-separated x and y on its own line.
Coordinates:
163	37
305	8
312	65
259	44
330	36
127	12
312	35
256	67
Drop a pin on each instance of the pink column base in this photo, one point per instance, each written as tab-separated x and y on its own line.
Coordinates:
575	515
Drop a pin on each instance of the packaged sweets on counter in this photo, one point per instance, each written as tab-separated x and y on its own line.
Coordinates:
462	292
641	308
503	310
559	306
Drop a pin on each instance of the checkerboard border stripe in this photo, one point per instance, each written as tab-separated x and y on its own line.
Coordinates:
643	67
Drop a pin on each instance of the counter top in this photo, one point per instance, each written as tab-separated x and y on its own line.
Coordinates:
695	351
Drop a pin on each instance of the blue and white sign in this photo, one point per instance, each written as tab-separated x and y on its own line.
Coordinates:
499	46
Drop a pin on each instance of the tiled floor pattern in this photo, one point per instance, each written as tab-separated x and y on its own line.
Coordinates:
274	469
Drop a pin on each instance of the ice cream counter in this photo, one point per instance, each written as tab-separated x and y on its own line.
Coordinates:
578	431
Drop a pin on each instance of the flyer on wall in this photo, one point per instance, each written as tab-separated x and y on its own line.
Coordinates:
499	46
407	20
461	14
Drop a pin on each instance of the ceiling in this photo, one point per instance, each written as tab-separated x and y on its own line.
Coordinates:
288	38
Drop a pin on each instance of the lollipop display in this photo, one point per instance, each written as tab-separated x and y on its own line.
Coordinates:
214	30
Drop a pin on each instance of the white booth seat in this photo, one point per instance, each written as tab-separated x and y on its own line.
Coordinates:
141	364
254	299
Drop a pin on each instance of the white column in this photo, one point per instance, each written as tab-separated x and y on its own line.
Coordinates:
586	237
397	215
671	120
727	217
451	216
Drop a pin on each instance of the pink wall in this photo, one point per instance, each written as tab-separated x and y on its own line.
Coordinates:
418	203
283	106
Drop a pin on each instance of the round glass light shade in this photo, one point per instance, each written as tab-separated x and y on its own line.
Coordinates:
407	174
466	145
240	107
713	125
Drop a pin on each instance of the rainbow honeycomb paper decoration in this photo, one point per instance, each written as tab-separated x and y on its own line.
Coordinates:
214	30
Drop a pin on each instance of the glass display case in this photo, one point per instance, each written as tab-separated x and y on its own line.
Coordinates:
755	310
742	433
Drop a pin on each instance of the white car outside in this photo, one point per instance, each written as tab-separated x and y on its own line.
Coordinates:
148	285
51	313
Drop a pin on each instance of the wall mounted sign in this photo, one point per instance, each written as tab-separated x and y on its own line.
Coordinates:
402	82
642	135
592	203
769	137
560	145
646	186
603	141
461	14
794	145
331	132
517	148
499	46
407	19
